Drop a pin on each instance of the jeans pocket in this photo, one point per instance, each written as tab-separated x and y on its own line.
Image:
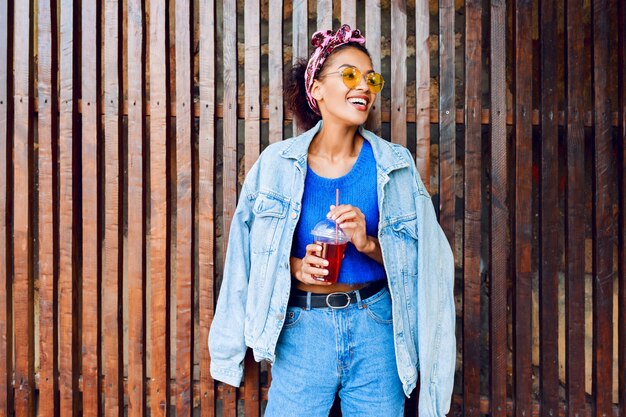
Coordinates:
379	308
293	317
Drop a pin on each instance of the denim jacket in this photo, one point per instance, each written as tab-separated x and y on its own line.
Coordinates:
418	261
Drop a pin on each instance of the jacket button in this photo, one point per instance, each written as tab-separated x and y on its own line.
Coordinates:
294	215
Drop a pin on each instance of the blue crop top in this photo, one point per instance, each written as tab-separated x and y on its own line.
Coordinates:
358	188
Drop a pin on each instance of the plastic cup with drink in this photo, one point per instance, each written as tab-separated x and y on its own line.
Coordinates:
333	242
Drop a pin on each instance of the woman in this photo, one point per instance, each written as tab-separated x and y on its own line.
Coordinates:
391	311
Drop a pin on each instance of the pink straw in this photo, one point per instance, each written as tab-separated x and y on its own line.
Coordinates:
336	225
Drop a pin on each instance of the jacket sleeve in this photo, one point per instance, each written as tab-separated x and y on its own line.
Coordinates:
227	345
437	343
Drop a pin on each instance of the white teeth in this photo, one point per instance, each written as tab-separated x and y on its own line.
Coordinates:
356	100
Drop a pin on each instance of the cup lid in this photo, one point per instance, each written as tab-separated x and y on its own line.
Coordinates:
328	229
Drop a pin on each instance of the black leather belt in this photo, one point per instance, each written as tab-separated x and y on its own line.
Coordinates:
336	300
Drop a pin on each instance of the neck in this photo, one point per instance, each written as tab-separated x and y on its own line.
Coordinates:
335	140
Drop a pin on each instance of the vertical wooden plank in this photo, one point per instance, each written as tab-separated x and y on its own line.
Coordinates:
447	114
499	235
47	94
252	84
275	67
23	313
159	355
398	72
136	403
229	151
229	408
324	15
348	13
111	294
602	218
472	190
574	212
372	33
4	198
621	83
206	197
522	336
67	382
548	215
252	128
184	276
89	140
300	39
422	96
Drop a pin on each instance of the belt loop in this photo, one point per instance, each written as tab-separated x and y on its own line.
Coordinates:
358	299
308	300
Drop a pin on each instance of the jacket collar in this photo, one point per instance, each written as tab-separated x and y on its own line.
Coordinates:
388	157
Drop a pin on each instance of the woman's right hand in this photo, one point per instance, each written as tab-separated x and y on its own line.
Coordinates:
306	269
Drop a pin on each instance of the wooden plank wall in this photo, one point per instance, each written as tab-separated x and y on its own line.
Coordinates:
5	327
121	161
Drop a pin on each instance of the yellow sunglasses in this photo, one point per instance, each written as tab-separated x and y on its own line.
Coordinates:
352	78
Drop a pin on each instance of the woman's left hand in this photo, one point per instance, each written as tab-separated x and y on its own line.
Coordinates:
352	221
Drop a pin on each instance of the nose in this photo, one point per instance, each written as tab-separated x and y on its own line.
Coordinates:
363	83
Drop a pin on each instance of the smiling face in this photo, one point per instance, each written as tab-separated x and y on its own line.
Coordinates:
337	102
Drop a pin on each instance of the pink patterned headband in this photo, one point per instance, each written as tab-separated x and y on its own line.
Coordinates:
325	42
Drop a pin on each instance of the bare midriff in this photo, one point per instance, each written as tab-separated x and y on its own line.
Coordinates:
326	289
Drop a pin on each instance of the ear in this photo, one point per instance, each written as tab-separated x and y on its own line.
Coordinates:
316	90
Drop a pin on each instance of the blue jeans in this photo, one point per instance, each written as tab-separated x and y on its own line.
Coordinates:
322	351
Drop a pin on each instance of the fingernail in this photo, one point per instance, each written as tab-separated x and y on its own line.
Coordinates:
325	263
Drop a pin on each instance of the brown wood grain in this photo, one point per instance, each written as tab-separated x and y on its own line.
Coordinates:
159	352
300	40
252	139
603	230
621	366
252	83
111	261
373	37
500	223
206	201
522	313
67	99
23	314
5	352
422	94
89	216
252	381
275	70
398	73
135	86
47	139
447	127
348	13
472	189
574	212
229	401
324	15
184	213
549	215
229	151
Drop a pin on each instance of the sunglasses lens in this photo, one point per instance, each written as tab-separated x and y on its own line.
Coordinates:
351	77
375	82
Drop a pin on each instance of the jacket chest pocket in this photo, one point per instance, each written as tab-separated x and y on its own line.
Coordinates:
269	214
405	234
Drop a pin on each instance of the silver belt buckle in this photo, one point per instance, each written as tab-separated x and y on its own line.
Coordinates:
348	299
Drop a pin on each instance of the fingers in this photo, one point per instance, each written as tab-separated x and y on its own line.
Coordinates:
313	267
345	212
